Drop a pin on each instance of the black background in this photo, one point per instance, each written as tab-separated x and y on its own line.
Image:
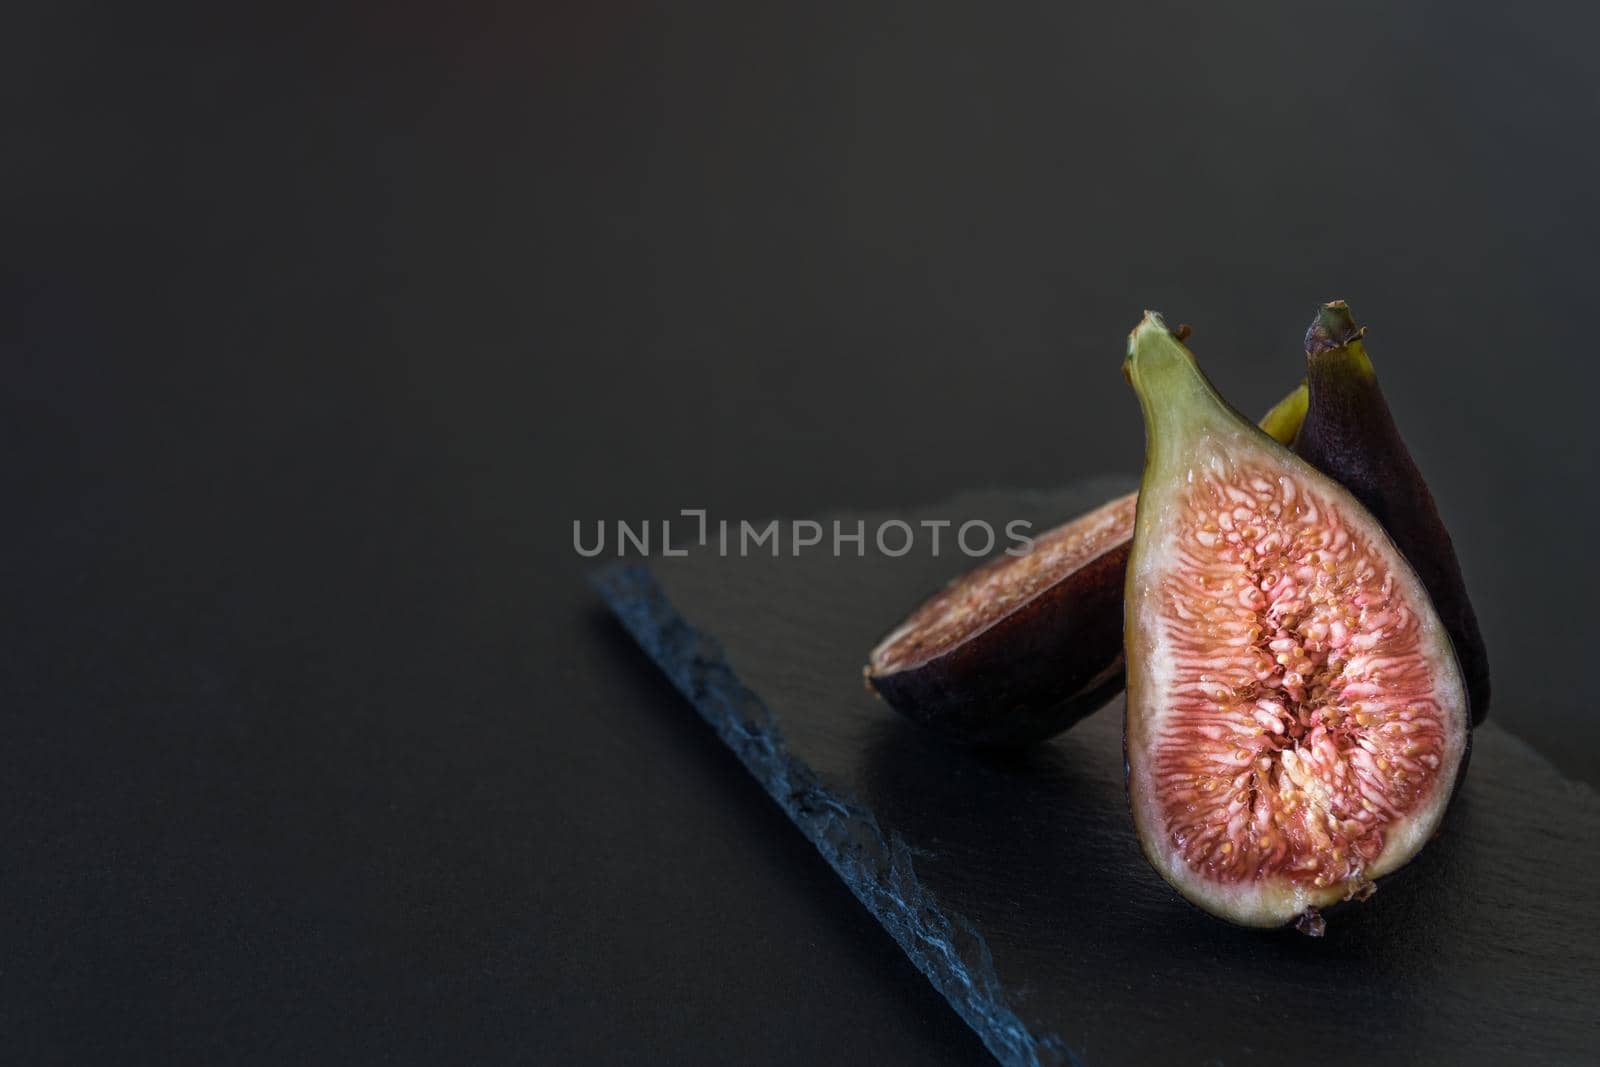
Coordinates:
322	327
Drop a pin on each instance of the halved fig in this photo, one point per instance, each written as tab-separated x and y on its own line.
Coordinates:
1349	435
1296	717
1021	647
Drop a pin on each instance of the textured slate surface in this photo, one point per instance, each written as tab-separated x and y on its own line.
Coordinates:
1015	883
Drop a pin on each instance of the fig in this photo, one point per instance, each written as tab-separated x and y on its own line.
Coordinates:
1021	647
1296	718
1349	435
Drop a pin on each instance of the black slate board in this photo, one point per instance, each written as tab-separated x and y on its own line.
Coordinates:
1015	883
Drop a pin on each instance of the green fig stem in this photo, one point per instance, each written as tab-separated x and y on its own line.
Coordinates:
1333	326
1336	356
1177	400
1340	373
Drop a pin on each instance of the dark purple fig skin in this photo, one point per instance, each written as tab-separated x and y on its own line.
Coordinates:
1350	435
1032	673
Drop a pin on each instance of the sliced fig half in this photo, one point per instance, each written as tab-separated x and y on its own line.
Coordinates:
1350	435
1021	647
1296	718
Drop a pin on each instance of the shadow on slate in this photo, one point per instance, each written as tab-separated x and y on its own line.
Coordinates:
1015	883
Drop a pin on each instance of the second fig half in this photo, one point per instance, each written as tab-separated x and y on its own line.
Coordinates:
1296	719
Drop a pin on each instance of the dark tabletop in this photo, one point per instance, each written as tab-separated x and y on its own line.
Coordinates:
322	326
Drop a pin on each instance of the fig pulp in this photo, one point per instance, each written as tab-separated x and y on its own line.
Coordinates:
1349	435
1296	717
1022	647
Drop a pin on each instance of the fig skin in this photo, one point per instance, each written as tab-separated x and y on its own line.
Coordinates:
1350	435
1184	419
1047	663
1030	674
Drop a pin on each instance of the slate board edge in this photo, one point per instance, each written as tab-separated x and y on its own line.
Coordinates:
879	869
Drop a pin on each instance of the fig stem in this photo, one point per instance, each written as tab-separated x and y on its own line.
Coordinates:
1339	370
1176	398
1333	339
1333	326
